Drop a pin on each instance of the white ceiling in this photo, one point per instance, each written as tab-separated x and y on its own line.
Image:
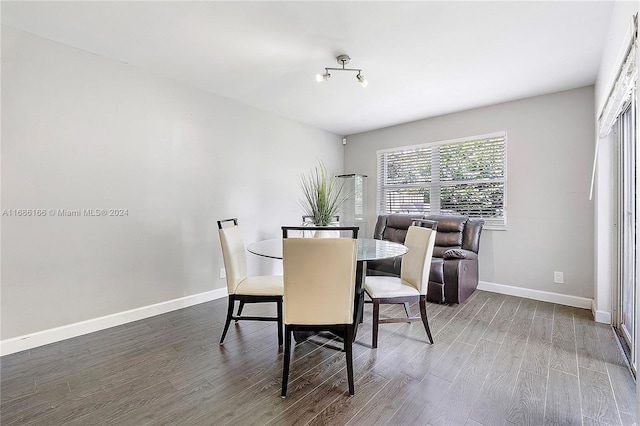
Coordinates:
422	59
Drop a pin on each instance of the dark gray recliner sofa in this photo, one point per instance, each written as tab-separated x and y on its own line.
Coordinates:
454	266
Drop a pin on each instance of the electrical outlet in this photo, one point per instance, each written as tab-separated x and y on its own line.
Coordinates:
223	273
558	277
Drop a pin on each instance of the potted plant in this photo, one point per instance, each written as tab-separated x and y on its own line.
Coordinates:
323	198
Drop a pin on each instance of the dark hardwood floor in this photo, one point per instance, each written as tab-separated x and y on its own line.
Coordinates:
496	360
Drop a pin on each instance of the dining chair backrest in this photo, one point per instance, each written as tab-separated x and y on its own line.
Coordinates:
312	232
425	223
233	254
309	219
416	264
339	231
319	276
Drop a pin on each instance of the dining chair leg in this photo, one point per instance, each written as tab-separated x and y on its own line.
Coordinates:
279	314
232	301
348	346
240	308
407	309
423	314
376	319
286	360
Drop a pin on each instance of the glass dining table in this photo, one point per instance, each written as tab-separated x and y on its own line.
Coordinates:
368	249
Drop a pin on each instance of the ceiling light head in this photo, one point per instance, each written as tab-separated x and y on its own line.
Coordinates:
363	81
342	60
323	77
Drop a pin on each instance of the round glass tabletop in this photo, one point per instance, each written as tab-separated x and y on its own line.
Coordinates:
368	249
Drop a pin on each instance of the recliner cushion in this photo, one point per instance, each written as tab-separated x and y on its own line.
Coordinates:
449	239
396	227
449	223
400	221
449	233
395	235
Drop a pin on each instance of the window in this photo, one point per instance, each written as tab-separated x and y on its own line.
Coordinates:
463	176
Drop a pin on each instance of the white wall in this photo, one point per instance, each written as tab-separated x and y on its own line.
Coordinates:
83	132
549	153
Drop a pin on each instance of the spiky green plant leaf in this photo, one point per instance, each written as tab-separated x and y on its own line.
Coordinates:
323	198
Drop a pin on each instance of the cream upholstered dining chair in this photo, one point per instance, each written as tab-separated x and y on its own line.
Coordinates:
243	288
319	290
410	286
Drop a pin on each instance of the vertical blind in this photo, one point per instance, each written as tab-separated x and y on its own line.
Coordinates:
464	176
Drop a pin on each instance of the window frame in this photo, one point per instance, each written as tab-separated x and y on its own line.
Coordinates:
435	185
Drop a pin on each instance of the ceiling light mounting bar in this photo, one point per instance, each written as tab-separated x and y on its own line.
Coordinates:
343	69
342	60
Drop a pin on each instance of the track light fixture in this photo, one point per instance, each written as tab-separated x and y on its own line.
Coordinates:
342	60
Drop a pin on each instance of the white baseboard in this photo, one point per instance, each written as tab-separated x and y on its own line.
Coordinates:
40	338
600	316
57	334
544	296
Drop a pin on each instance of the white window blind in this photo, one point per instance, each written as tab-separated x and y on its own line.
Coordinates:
464	176
622	91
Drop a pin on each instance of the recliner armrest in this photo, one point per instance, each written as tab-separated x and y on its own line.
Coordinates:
459	254
471	234
381	224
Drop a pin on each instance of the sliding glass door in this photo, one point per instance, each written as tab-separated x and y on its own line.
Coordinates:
627	232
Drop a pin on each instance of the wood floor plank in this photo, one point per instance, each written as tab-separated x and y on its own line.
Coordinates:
43	403
453	360
460	398
563	400
564	311
491	406
623	389
383	405
629	418
520	327
564	356
490	309
563	328
588	421
598	401
416	410
589	354
345	407
541	330
472	306
123	407
170	411
537	357
497	330
449	332
509	307
526	309
609	346
544	310
585	329
424	360
527	402
473	331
